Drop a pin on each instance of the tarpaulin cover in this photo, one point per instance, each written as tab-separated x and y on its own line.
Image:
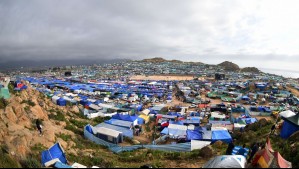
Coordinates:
288	129
55	151
61	102
194	135
222	135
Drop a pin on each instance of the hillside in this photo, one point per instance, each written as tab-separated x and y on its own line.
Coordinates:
229	66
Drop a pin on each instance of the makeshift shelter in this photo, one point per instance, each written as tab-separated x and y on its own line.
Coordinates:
61	102
267	158
226	161
55	153
108	135
4	93
194	135
290	126
222	135
145	118
287	114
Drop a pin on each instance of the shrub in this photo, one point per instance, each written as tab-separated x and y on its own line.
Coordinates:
59	116
3	103
30	163
28	102
64	137
6	161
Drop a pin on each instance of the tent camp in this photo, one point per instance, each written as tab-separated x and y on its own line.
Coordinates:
226	161
55	153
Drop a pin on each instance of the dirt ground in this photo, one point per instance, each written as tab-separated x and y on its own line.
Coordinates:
293	90
162	77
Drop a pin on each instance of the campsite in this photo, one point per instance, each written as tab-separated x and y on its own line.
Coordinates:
162	122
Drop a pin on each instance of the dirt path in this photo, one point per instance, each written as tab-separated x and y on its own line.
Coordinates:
293	90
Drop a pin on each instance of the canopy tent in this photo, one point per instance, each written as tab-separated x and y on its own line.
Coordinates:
194	135
222	135
56	151
267	158
226	161
290	126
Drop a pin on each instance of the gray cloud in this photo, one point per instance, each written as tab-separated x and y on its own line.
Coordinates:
101	29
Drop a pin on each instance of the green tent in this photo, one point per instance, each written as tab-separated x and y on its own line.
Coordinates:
4	93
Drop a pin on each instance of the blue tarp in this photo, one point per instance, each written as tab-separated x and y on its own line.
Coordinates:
237	148
222	135
61	165
124	117
194	135
55	151
288	129
61	102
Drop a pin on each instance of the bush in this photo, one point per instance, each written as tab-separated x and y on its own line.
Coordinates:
64	137
79	124
28	102
6	161
30	163
3	103
59	116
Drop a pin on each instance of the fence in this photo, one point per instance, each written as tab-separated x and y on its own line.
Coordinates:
181	147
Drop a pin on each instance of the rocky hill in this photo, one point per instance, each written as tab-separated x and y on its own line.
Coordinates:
250	69
17	123
229	66
154	60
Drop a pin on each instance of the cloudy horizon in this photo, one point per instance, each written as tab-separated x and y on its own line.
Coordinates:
262	34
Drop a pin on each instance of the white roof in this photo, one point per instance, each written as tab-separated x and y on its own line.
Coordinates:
106	131
93	106
146	111
175	126
217	115
196	144
287	114
92	100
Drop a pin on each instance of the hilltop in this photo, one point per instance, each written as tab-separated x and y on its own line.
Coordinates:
229	66
159	60
250	69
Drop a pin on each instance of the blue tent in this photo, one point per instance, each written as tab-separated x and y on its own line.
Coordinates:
245	98
61	102
290	126
56	151
194	135
222	135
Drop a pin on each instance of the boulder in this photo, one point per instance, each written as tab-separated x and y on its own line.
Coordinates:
206	152
10	114
218	144
38	113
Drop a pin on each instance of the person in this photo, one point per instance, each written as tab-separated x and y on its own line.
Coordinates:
39	127
273	129
242	150
230	148
254	149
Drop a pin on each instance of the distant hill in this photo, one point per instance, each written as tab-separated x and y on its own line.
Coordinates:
229	66
250	69
154	60
159	60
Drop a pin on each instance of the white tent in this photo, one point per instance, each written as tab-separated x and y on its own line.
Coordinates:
196	144
77	165
226	161
54	99
287	114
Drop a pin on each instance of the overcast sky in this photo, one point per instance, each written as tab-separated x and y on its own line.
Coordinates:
247	32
